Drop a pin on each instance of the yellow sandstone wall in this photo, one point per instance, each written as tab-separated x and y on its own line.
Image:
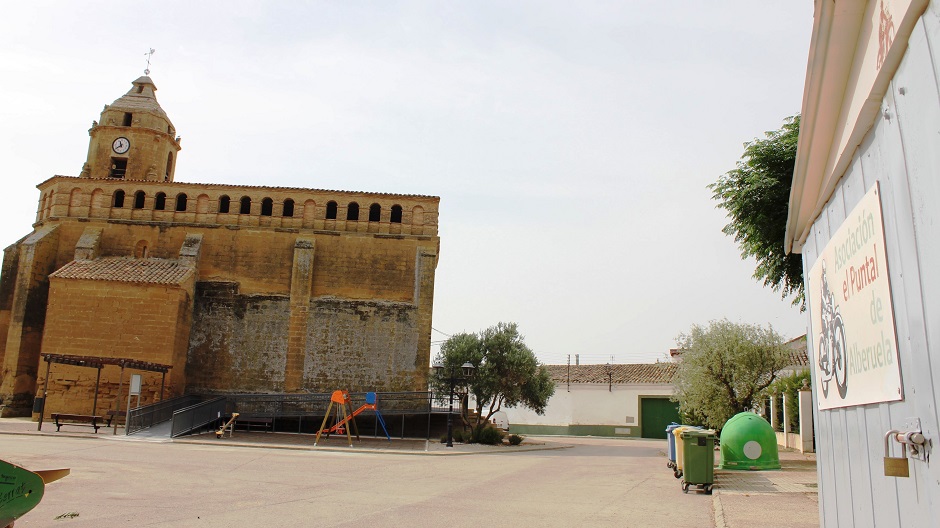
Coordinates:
278	304
115	320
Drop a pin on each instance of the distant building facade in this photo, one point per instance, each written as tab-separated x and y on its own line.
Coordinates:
630	400
237	288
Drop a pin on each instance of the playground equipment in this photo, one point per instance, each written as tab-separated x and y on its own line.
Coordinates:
341	398
22	489
229	425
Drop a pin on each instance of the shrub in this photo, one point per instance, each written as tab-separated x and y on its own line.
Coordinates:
458	435
515	439
488	435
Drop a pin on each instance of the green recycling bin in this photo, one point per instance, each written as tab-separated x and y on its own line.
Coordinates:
698	459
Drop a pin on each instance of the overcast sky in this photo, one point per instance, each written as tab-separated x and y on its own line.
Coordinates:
571	143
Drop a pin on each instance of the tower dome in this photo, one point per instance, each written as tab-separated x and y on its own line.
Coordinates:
134	139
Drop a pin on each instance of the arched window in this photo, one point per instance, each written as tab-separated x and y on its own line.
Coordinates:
331	210
224	203
181	202
159	202
352	211
267	207
139	197
140	250
375	212
118	198
288	208
245	206
396	214
169	165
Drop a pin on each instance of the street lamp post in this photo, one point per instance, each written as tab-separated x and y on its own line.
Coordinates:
467	370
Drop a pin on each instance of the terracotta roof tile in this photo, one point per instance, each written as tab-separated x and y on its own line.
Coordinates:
122	269
624	373
797	352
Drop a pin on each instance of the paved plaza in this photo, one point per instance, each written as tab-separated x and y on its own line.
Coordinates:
275	479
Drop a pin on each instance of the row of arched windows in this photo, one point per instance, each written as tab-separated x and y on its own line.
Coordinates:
244	206
352	212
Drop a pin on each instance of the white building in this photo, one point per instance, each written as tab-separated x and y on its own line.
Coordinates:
604	400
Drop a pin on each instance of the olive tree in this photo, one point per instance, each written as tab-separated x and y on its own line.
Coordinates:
506	370
724	367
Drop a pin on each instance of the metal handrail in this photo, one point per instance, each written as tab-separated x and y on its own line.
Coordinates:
292	405
146	416
195	416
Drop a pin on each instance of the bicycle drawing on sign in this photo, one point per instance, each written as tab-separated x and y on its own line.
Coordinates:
833	360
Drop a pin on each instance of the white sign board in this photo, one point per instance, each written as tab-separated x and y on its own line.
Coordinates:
852	315
135	385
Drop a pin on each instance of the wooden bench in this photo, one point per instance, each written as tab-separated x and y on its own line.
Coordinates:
84	420
249	423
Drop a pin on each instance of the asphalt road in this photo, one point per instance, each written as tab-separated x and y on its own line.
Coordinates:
115	482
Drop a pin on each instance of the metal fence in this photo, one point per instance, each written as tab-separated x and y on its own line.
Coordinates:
195	416
304	412
293	405
149	415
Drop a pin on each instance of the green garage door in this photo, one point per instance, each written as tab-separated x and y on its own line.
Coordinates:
655	415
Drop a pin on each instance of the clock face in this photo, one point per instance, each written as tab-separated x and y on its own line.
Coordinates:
121	145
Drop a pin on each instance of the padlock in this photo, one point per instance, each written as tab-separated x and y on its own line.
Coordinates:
895	466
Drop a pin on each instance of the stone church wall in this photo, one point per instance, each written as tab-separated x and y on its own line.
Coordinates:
238	343
118	320
362	346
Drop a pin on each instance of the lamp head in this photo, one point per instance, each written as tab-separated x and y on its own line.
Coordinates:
467	369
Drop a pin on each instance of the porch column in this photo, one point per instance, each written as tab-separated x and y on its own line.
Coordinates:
806	419
773	412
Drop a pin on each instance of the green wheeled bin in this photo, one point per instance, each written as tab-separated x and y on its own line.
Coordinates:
698	459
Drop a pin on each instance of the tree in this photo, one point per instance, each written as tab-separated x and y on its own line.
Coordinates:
724	367
756	195
507	371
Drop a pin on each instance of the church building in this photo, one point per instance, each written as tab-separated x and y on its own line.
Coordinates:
222	289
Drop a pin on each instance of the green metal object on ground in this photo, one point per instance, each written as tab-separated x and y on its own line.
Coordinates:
748	442
698	454
20	491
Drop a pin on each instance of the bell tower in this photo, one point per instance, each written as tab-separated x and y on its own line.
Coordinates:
134	140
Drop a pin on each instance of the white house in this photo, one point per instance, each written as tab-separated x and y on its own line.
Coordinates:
604	400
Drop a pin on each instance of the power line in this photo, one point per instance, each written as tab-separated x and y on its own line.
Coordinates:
438	331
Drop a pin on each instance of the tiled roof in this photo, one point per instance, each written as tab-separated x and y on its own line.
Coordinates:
797	352
629	373
122	269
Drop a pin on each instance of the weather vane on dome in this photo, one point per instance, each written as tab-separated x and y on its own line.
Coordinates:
149	54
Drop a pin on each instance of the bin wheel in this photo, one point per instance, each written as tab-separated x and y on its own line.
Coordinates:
708	489
677	473
685	487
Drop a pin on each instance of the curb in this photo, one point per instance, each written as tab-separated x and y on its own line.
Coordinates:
310	447
719	510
